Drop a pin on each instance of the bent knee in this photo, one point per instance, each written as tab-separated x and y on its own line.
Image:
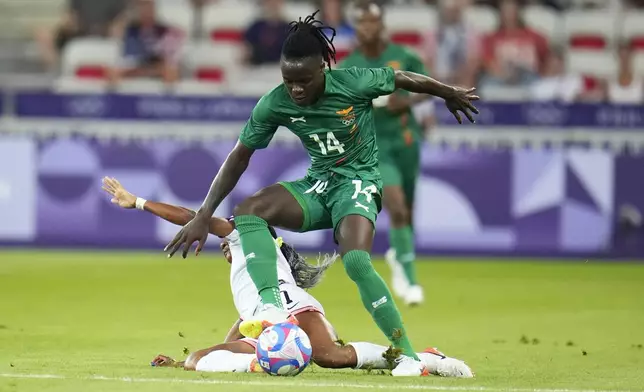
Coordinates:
256	206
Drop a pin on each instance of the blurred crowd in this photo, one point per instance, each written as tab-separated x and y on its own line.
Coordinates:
513	60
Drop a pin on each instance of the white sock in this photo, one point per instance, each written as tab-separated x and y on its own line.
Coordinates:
370	355
224	361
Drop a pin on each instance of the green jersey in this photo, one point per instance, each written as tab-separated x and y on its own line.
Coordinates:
392	129
338	131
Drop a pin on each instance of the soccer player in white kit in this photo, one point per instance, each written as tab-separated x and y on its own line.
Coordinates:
237	354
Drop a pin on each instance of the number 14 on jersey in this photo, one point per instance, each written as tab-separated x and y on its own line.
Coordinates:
332	144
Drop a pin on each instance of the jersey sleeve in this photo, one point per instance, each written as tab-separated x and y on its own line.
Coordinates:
371	83
260	127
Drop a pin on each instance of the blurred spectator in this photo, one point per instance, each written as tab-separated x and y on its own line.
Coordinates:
626	88
559	85
265	36
149	47
514	55
333	15
452	51
83	18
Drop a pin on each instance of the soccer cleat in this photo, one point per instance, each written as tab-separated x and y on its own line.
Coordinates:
254	367
409	367
399	283
268	316
414	296
440	365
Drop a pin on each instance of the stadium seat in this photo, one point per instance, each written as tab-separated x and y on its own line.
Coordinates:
255	81
211	61
483	19
199	88
638	63
406	25
505	93
227	22
595	63
544	20
633	29
89	58
294	11
74	85
141	86
592	30
177	17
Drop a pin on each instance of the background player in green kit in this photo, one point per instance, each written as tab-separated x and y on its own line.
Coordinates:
331	112
398	137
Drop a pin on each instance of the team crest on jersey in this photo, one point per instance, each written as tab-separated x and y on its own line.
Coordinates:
394	64
347	116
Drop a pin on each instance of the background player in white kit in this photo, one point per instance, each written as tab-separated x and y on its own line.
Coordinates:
237	354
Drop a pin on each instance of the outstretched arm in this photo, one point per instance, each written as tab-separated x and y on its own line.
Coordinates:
173	214
456	98
229	174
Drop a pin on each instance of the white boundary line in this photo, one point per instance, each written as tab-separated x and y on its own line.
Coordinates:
307	384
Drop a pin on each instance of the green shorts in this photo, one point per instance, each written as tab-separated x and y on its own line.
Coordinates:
325	203
401	167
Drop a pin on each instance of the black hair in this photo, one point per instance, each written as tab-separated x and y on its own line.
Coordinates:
306	275
306	38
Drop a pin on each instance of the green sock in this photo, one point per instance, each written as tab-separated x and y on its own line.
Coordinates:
261	257
377	299
402	240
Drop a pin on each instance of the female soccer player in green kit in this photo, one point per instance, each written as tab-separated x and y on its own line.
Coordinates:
399	136
331	112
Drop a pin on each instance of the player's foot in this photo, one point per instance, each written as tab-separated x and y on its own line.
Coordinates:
440	365
409	367
268	316
414	295
254	367
399	282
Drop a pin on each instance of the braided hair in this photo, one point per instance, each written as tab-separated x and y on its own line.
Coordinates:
306	38
306	275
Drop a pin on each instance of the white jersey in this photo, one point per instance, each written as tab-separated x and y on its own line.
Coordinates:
247	300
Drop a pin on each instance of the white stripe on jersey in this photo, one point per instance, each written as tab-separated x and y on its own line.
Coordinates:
245	296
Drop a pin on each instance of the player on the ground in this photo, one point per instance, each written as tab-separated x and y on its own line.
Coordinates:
399	137
295	275
331	112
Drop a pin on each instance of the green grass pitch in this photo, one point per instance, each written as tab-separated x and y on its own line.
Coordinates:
92	321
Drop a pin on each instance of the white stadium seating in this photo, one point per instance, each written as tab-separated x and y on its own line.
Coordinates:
177	14
90	57
483	19
593	29
591	63
543	20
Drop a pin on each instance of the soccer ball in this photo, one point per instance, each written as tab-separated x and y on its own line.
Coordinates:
283	350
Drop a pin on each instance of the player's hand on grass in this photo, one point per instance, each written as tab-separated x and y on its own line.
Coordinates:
162	360
195	230
120	196
460	100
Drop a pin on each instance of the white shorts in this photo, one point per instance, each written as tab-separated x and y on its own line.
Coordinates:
294	299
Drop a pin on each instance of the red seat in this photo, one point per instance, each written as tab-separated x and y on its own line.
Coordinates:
227	35
210	74
637	43
90	71
588	42
409	38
